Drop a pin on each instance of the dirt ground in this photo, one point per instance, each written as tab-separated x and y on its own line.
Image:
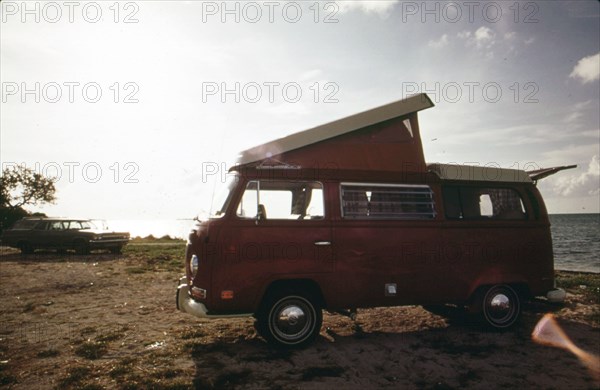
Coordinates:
109	321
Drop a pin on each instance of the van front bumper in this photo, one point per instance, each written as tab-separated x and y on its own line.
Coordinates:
188	304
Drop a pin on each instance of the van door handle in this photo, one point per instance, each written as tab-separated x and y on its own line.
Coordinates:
322	243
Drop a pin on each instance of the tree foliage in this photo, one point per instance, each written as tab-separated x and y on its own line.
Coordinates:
21	186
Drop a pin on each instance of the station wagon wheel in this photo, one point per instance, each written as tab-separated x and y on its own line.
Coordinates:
81	248
501	306
26	248
116	250
290	320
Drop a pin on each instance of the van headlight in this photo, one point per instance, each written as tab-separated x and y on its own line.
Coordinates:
194	264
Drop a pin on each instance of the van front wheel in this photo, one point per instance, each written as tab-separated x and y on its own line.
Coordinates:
501	306
290	320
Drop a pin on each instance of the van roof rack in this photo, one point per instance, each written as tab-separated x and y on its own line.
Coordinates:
478	173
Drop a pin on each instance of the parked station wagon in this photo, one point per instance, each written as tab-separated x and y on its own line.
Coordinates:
81	235
349	215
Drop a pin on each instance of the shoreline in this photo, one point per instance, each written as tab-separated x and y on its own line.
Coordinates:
576	272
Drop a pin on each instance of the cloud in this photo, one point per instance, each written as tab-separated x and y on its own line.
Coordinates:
587	69
379	7
443	41
483	39
311	74
586	183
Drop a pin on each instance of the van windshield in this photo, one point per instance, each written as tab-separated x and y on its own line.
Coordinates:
222	196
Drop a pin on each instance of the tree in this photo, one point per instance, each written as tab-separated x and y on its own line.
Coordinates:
21	186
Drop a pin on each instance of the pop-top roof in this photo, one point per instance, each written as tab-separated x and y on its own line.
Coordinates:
336	128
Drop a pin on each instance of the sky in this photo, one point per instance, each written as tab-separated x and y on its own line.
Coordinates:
138	108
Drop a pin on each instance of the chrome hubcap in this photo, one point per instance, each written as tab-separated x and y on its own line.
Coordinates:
291	320
500	307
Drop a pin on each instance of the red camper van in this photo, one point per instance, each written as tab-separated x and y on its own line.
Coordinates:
348	215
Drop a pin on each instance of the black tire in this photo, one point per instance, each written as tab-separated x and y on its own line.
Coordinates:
26	248
81	248
290	320
116	250
500	306
439	310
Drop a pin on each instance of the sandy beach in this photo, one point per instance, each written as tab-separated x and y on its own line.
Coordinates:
107	321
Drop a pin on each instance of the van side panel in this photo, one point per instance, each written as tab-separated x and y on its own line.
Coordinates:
253	255
373	254
491	251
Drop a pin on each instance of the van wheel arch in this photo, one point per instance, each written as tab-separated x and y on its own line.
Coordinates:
308	286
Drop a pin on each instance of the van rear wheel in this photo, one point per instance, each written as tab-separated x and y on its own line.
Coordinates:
501	306
290	320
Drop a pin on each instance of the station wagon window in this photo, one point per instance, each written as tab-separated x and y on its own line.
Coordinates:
476	203
41	226
282	200
25	224
75	225
58	225
386	201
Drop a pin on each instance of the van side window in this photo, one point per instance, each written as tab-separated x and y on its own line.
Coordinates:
282	200
487	203
387	201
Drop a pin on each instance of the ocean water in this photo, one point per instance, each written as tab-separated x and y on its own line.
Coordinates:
176	228
576	242
575	237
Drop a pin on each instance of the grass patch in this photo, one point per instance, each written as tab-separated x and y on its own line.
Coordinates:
191	334
167	373
29	306
5	378
103	338
156	257
91	349
75	376
587	284
166	239
136	270
122	368
594	316
88	330
48	353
